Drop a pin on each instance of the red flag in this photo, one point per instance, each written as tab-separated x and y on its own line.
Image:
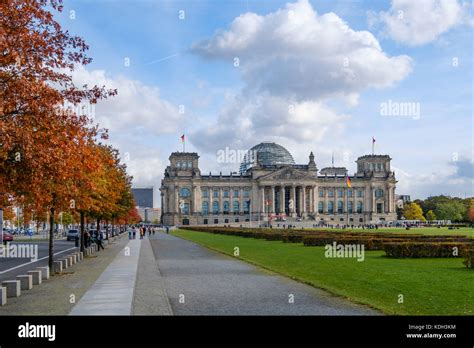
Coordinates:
182	138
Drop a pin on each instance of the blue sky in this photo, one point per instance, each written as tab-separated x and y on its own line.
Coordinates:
289	56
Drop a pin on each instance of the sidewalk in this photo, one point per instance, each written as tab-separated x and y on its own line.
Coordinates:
112	293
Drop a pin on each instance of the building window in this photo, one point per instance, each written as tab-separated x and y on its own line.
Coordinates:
378	193
178	164
190	165
216	221
330	207
349	192
226	221
320	207
236	220
361	220
205	194
205	208
185	209
215	194
359	207
215	207
321	193
236	193
379	208
226	193
330	193
236	207
340	207
360	193
247	207
349	207
246	193
185	192
226	207
205	221
340	193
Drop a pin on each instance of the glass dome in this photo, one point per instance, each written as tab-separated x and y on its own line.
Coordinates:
268	154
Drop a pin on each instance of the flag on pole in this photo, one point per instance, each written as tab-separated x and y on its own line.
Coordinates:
373	144
182	140
348	181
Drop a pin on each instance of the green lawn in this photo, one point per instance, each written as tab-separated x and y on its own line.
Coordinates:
428	286
467	231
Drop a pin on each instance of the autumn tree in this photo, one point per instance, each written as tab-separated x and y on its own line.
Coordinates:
41	142
412	211
430	215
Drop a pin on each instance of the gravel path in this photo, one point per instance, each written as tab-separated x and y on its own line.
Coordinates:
199	281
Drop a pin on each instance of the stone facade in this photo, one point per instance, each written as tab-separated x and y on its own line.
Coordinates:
272	192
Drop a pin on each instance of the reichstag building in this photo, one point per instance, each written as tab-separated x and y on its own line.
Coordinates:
271	187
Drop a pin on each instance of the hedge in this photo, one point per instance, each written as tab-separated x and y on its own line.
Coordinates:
425	249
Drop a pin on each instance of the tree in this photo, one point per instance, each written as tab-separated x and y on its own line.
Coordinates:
41	142
454	211
412	211
430	215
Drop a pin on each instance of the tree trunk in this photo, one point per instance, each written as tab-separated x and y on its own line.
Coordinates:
98	227
51	242
106	229
82	230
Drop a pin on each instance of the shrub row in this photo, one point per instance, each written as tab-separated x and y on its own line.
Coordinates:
425	249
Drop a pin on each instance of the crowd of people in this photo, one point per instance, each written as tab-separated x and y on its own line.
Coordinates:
142	231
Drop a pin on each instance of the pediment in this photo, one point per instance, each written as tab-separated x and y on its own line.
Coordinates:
286	174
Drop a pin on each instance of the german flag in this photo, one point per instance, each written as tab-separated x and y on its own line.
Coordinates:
348	181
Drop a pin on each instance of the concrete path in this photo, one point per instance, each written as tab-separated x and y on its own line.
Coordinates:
112	293
199	281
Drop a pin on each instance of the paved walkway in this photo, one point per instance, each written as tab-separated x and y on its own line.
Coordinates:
112	293
199	281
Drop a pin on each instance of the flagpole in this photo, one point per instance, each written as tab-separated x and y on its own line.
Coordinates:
373	146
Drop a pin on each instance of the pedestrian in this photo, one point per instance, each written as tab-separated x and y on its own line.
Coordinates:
100	237
87	239
135	231
129	233
167	230
153	230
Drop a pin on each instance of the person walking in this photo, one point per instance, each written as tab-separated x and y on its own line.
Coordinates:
100	237
153	230
135	231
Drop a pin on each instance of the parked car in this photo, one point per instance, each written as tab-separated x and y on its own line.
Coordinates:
7	237
72	234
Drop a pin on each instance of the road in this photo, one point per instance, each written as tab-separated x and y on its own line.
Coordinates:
199	281
11	267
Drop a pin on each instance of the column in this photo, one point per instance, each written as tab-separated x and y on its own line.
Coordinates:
293	198
282	199
262	199
194	200
272	199
221	199
303	201
241	200
316	199
176	200
231	200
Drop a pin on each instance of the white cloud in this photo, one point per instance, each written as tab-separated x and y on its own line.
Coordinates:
293	61
422	21
136	106
294	52
136	117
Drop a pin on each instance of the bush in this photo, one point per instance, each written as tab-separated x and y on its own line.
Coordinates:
469	258
425	249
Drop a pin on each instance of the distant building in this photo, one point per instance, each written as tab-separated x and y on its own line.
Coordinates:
150	215
143	197
402	199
